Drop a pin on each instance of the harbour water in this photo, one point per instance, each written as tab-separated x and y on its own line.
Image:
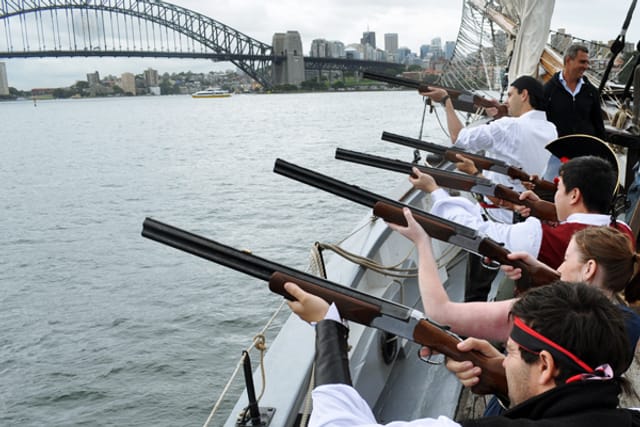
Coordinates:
102	327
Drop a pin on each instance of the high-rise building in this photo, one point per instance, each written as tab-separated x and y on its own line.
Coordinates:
449	47
391	42
335	49
424	50
128	83
4	81
151	77
319	48
93	78
436	48
403	54
368	38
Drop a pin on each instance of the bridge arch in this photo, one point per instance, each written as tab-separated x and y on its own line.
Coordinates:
113	20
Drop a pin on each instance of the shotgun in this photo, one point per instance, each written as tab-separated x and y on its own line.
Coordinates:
457	181
354	305
436	227
481	162
462	100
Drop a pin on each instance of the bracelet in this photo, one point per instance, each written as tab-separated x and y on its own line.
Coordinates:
443	101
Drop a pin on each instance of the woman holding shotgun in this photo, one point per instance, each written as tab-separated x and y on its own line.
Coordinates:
603	257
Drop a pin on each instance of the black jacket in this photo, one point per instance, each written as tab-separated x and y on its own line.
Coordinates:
581	404
582	114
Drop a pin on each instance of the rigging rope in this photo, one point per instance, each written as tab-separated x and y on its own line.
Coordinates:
259	342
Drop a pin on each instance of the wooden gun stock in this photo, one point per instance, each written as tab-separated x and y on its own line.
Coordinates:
531	276
540	184
492	377
350	308
539	208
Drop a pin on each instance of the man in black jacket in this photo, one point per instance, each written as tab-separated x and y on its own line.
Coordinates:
573	103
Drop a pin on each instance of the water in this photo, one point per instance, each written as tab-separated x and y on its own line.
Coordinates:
104	327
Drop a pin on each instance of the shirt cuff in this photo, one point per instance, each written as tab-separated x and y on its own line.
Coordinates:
333	314
439	194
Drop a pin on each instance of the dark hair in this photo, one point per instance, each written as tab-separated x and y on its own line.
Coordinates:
596	179
613	251
534	89
581	319
572	51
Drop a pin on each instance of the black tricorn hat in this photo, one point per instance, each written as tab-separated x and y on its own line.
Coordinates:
571	146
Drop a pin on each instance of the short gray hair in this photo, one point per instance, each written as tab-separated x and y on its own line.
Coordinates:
572	51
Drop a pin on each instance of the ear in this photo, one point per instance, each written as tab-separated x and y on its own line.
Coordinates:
591	268
575	196
548	371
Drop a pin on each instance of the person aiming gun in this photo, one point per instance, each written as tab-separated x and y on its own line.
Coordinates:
558	372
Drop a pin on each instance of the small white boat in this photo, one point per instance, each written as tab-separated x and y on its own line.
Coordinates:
211	93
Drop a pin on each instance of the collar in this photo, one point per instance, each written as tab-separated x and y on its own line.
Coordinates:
563	82
535	115
589	218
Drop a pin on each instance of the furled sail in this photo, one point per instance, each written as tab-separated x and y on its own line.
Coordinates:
533	18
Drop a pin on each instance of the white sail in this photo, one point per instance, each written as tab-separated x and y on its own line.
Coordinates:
533	18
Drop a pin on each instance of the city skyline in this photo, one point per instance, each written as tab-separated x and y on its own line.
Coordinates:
416	22
202	66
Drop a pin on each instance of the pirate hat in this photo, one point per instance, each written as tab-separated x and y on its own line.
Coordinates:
570	146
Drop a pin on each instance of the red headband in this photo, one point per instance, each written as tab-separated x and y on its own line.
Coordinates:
531	340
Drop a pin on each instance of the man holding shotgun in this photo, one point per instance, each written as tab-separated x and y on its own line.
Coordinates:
558	371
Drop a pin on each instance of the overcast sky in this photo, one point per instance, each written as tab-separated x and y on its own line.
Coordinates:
415	21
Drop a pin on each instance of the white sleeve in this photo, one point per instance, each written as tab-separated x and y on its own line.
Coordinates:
487	137
524	236
340	405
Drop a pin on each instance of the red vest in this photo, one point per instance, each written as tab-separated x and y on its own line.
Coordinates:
555	240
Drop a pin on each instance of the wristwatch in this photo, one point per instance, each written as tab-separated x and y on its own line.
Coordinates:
443	101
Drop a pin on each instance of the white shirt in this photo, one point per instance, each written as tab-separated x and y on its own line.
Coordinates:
340	405
517	141
524	236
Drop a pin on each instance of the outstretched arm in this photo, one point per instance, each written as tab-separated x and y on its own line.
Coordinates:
453	122
488	320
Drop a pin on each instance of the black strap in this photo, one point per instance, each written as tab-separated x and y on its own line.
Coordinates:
617	45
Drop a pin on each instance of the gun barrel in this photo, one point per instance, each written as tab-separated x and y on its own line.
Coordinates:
260	268
375	161
414	143
442	177
391	79
357	194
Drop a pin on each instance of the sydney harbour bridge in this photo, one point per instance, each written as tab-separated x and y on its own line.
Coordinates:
148	28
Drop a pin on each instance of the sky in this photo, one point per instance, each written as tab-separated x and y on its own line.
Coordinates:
415	21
